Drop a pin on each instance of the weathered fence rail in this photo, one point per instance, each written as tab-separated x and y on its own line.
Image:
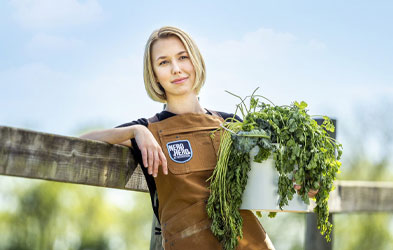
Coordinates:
38	155
31	154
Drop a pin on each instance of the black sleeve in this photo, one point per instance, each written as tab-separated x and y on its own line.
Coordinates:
138	158
229	115
141	121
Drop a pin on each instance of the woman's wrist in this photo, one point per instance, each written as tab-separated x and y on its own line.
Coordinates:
134	130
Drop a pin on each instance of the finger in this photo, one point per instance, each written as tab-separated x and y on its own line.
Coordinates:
163	162
156	163
297	188
150	160
144	157
312	193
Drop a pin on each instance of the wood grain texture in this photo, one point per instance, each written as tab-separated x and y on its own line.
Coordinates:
361	196
32	154
38	155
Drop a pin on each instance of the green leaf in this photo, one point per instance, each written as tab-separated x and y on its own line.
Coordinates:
272	214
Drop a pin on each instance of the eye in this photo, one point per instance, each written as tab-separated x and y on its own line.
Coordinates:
183	57
163	62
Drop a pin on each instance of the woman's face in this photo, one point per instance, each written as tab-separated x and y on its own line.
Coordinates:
172	67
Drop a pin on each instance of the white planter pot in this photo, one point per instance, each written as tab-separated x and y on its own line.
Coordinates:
261	189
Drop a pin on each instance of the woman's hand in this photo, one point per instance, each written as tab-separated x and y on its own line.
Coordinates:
152	155
311	193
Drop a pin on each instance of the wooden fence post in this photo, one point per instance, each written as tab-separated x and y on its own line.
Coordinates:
155	239
314	239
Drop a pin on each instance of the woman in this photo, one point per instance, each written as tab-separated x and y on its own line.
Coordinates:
178	140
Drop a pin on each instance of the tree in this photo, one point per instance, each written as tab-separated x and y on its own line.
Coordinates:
51	215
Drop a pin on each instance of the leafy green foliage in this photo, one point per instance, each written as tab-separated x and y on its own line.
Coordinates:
303	152
45	214
227	186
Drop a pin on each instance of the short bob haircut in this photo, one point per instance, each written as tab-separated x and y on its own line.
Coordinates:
153	88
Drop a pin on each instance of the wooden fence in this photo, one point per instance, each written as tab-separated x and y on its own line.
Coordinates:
31	154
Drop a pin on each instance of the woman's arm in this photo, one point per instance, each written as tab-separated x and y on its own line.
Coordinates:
151	151
113	135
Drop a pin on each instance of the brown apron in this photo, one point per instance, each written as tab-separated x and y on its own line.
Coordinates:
192	156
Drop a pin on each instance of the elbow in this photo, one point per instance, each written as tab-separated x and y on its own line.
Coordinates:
89	136
85	136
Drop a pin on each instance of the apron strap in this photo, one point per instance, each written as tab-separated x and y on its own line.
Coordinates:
153	119
213	112
153	195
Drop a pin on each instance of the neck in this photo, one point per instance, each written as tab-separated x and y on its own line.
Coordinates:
184	104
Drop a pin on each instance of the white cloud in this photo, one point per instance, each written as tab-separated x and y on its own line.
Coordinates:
49	14
44	41
286	68
266	58
261	46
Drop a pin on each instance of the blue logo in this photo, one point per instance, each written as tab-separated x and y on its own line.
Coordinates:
179	151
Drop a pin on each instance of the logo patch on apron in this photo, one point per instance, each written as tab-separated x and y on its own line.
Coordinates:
179	151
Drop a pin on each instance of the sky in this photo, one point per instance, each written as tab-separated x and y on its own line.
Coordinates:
66	65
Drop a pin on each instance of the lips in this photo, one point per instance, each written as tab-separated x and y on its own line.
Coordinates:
179	80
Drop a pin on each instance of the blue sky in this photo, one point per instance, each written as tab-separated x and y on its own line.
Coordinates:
68	64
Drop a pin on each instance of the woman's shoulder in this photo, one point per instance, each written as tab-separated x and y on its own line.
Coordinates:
226	115
166	114
140	121
145	121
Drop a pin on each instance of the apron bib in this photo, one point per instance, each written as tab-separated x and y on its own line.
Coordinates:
191	155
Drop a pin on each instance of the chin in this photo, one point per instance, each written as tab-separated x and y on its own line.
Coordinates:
184	92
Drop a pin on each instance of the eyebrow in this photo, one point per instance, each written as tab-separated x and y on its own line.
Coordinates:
162	57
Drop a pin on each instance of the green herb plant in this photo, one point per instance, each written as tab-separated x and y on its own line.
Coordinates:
303	151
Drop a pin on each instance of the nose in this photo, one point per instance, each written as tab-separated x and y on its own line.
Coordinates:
175	68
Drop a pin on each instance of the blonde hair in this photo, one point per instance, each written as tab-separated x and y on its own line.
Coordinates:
153	88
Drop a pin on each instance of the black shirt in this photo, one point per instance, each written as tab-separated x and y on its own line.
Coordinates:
138	155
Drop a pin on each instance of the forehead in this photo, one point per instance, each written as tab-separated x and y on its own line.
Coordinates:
167	47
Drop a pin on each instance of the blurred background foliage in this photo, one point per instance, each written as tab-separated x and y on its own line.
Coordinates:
39	215
48	215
